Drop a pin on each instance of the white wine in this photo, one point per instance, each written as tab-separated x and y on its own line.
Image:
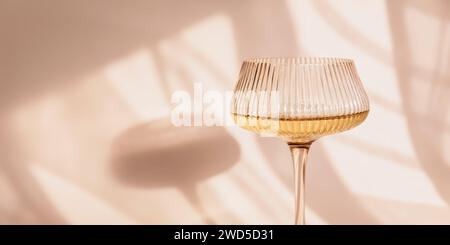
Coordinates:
302	129
315	97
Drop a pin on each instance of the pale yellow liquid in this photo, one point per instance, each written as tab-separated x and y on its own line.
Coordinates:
300	130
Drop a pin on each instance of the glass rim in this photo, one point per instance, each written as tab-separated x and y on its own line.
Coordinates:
301	60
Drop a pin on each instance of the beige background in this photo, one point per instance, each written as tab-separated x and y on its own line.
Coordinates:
85	99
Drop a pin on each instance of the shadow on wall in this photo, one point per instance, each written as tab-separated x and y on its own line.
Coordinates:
25	201
158	154
47	45
424	90
331	199
50	44
426	96
326	194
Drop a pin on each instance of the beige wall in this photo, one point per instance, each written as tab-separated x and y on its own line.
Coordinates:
85	101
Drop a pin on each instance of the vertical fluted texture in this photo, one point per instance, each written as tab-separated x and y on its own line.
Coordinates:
299	99
302	88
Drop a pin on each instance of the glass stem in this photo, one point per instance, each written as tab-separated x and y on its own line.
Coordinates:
299	153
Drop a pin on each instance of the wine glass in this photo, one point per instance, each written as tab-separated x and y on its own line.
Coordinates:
299	100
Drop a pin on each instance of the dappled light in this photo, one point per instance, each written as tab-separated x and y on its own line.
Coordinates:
86	100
